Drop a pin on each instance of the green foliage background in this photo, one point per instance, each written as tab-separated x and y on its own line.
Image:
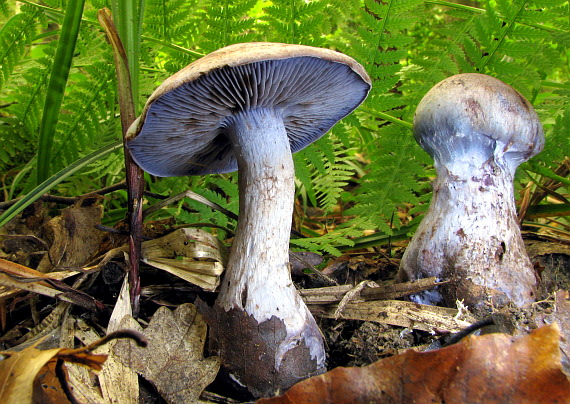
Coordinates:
406	46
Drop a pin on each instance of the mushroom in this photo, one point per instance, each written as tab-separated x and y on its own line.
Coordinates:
250	106
478	130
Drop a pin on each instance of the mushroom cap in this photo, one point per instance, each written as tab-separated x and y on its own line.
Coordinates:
182	129
475	114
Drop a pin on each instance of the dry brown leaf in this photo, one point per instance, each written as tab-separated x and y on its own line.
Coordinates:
173	360
119	383
13	275
47	386
83	382
189	253
495	368
19	370
74	237
561	315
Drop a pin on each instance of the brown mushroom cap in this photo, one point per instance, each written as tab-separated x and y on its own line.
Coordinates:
181	130
477	114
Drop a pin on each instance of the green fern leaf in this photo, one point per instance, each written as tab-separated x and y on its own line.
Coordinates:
328	243
4	7
225	23
170	19
15	39
296	21
87	105
28	104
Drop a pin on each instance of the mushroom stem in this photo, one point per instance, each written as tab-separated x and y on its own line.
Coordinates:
257	295
258	279
471	232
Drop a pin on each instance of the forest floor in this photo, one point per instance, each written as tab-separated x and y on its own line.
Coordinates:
47	238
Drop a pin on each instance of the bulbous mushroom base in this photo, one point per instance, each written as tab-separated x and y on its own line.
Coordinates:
264	357
478	275
478	298
470	237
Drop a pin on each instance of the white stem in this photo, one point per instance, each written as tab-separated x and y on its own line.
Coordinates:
471	232
258	278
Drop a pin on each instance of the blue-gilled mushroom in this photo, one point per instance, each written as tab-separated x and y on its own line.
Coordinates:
478	130
249	107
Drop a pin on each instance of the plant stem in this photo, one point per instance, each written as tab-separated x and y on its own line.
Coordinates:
134	174
387	117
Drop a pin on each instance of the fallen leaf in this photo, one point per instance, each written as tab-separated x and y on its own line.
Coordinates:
83	381
494	368
173	360
13	275
47	385
189	253
19	370
74	237
119	383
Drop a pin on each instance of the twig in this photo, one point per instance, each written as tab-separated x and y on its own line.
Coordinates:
351	294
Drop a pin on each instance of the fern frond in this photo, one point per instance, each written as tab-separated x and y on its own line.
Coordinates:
507	39
298	21
329	182
329	187
391	181
328	243
554	112
29	104
381	44
15	40
222	190
225	23
173	26
89	103
324	169
3	7
204	214
169	19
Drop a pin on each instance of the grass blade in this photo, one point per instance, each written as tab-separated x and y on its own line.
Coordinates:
55	179
57	84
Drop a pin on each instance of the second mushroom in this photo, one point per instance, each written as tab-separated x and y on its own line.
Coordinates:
478	130
249	106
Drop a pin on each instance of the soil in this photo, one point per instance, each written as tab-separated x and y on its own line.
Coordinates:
358	343
348	342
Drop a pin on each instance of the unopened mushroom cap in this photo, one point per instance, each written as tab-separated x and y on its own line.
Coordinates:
474	113
181	130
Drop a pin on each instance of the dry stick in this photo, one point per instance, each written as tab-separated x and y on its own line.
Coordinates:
135	180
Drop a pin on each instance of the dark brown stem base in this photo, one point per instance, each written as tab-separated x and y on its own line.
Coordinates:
248	350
